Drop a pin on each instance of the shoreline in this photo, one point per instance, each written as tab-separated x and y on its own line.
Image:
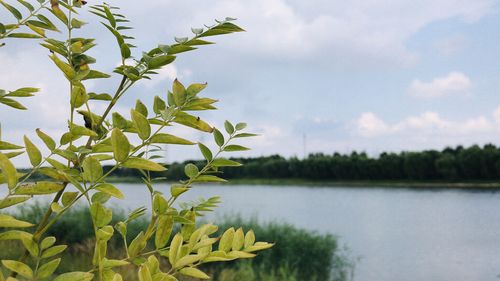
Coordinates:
488	185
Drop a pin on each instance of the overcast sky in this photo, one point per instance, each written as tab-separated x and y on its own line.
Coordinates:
350	75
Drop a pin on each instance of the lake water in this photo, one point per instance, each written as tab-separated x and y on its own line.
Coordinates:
398	234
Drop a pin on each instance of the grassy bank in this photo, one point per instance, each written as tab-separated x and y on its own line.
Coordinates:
298	254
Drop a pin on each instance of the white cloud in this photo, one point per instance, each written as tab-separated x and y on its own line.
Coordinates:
369	125
427	125
496	115
455	83
359	29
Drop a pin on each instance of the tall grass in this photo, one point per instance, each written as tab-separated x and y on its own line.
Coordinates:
299	255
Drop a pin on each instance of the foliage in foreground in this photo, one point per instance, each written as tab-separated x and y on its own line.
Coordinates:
330	262
131	142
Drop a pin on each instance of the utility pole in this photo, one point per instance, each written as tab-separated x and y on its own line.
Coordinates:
304	144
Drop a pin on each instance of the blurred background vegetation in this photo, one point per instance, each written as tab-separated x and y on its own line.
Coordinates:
299	255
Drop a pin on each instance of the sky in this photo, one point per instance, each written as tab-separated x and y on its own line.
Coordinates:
334	75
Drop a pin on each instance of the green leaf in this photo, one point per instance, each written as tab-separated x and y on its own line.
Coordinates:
19	267
193	122
119	121
77	131
179	93
143	164
141	108
160	61
110	189
8	170
238	240
12	103
68	197
49	142
8	146
27	5
187	260
10	221
15	12
158	105
240	126
175	248
229	127
15	235
209	178
48	269
141	124
194	89
221	162
75	276
205	151
218	137
34	153
245	135
101	215
125	50
137	245
194	272
52	251
164	230
191	170
103	97
120	144
178	189
144	273
226	240
47	242
92	169
12	200
39	188
170	139
235	147
94	74
160	205
113	263
78	96
68	71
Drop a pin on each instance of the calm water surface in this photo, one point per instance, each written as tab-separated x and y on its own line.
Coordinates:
398	234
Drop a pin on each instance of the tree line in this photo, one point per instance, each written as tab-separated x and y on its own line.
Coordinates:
457	163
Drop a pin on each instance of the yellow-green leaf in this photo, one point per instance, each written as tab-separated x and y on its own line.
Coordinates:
19	267
192	121
75	276
68	71
41	187
12	200
194	272
175	247
170	139
226	241
92	169
48	269
141	123
52	251
144	273
34	153
8	146
165	225
110	189
10	221
121	145
8	170
238	240
143	164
